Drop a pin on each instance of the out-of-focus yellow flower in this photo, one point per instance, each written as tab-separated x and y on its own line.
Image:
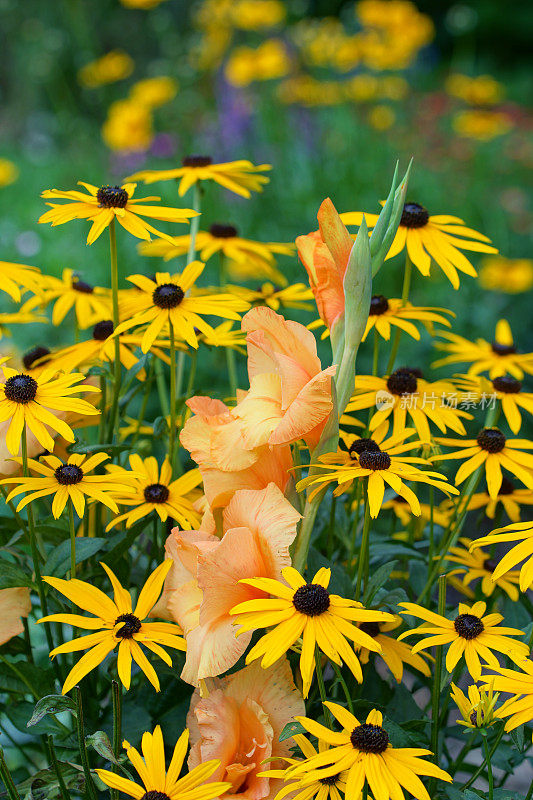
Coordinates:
114	66
252	15
482	125
477	710
128	126
481	91
381	117
9	172
248	64
393	32
361	88
393	87
269	295
154	92
308	91
144	4
509	275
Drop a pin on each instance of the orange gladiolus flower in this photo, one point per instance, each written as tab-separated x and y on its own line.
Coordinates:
240	723
203	583
324	254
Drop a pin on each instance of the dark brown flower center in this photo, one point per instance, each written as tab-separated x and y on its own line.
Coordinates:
371	628
153	794
503	349
68	474
156	493
21	389
369	738
399	499
378	304
490	564
507	384
132	624
361	446
414	216
311	600
197	161
103	330
468	626
168	295
506	487
491	439
329	780
112	197
82	287
402	381
370	459
29	358
223	231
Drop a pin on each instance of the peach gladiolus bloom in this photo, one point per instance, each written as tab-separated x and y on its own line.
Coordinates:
14	604
239	724
203	583
214	439
290	393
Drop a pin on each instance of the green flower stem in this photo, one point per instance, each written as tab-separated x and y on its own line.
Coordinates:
55	764
408	271
172	432
35	556
331	526
431	549
436	680
362	564
90	790
162	388
230	353
303	540
490	777
194	225
480	769
117	728
117	366
347	695
375	354
7	779
144	404
103	400
321	686
72	539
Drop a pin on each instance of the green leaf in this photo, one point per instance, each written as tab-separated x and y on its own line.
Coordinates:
12	576
131	374
51	704
380	228
43	785
58	563
111	448
290	729
379	577
99	741
518	737
393	223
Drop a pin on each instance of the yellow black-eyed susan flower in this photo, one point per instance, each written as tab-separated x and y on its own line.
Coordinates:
103	205
305	610
364	751
296	295
394	653
382	461
519	707
116	623
494	451
400	507
246	258
497	358
164	301
505	388
477	708
392	311
17	276
29	401
521	532
479	564
17	318
90	303
332	788
470	633
154	490
440	238
70	480
240	177
509	496
405	393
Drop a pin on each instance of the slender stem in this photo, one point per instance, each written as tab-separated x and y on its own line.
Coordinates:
375	354
331	526
117	367
408	270
437	678
117	728
172	433
363	551
146	396
480	769
55	764
347	695
72	540
431	549
321	686
103	400
7	779
230	353
162	388
90	791
490	776
304	534
195	224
